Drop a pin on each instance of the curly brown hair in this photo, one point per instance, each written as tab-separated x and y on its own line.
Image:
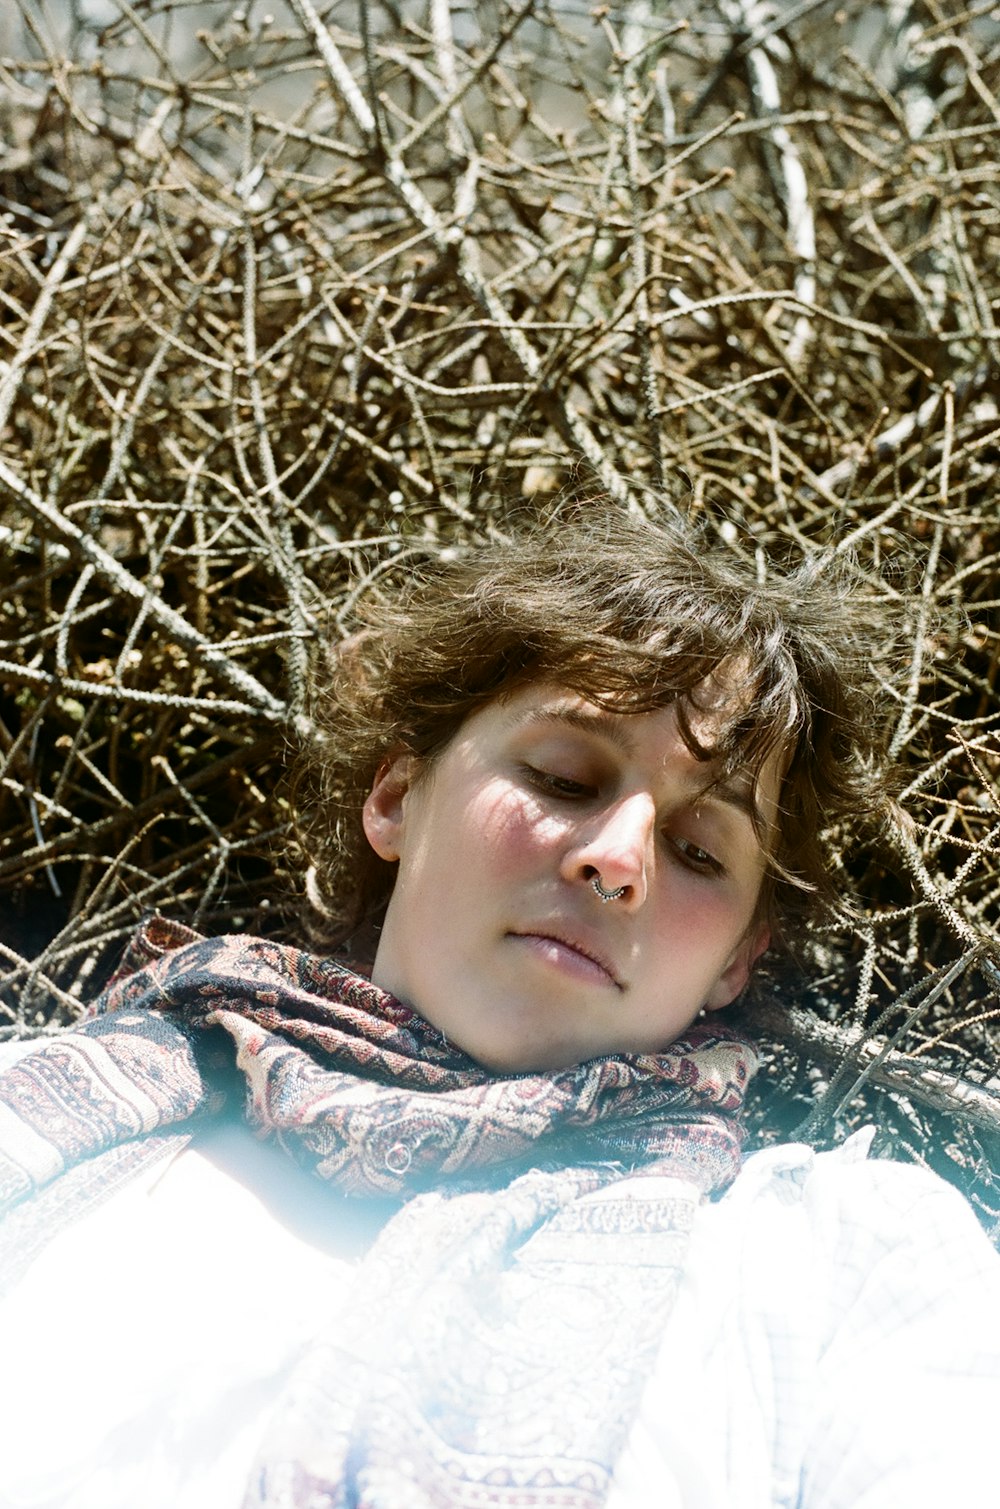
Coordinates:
633	617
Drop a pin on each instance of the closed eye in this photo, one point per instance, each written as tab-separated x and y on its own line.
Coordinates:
556	785
696	858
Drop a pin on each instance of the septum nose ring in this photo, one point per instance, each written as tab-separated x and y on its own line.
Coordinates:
607	895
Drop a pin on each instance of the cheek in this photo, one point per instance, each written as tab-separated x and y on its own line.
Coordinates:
707	919
510	830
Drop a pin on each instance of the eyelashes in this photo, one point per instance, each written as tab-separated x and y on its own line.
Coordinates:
691	855
557	785
697	858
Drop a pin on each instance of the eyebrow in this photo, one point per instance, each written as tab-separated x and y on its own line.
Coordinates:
738	792
735	791
606	725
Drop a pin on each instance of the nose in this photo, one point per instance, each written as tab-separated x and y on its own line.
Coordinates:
618	848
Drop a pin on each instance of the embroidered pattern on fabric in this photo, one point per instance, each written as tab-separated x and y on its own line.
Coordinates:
501	1329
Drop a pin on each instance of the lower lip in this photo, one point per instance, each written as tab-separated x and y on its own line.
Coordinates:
568	961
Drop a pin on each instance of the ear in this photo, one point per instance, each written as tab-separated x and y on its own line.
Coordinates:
737	972
383	813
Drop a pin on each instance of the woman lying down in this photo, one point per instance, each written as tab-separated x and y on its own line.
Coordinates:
469	1227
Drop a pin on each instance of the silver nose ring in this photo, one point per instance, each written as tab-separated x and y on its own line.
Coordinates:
607	895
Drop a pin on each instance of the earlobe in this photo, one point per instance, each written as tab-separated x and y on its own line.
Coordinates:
383	814
735	976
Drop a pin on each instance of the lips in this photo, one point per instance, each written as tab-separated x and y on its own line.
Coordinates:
573	953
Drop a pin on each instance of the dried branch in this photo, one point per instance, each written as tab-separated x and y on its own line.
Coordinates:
826	1043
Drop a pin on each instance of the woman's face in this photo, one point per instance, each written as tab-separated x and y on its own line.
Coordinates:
494	931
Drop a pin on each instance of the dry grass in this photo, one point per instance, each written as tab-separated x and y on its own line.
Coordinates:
290	301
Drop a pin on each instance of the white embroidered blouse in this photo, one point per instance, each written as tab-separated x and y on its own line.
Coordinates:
835	1345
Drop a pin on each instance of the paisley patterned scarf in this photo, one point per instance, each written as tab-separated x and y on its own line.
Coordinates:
503	1325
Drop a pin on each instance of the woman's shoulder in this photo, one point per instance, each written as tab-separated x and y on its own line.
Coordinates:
853	1217
847	1184
832	1303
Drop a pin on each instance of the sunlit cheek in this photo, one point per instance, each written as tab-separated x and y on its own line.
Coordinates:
710	911
514	826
